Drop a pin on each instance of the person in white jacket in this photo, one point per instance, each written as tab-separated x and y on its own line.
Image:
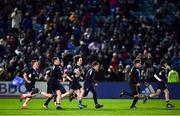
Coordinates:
16	19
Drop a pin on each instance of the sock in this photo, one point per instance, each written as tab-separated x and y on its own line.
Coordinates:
24	105
34	91
134	101
80	102
40	92
48	100
57	104
95	98
167	102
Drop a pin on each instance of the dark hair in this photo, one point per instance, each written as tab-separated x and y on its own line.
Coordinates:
162	62
94	63
55	58
76	58
33	61
137	61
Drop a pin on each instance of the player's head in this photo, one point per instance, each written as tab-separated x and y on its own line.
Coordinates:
78	59
163	63
96	65
56	61
35	64
137	63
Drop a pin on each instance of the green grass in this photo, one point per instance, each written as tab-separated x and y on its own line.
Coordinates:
111	107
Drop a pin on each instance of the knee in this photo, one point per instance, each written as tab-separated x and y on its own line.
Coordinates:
137	95
157	93
82	90
58	93
166	92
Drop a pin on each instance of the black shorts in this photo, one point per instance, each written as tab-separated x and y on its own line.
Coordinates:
162	86
87	88
29	87
62	89
75	86
135	89
52	86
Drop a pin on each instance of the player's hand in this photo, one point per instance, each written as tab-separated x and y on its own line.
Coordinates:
28	81
40	76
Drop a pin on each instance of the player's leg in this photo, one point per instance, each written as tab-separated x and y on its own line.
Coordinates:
97	105
24	106
72	96
51	96
51	92
81	96
157	93
58	99
77	92
166	93
81	93
29	89
29	94
67	93
124	92
135	100
136	90
23	96
86	91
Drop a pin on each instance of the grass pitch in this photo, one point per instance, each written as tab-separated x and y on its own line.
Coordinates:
111	107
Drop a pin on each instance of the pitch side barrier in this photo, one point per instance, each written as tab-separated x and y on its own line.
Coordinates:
104	89
113	89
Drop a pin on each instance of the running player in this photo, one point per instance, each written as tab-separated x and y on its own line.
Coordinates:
134	83
30	76
89	83
63	91
162	86
75	86
53	85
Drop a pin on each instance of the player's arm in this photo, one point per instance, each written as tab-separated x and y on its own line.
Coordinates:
39	77
47	75
81	77
144	78
157	78
65	75
13	14
92	75
77	72
25	75
134	78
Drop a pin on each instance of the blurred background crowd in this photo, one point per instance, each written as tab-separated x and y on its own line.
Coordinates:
113	32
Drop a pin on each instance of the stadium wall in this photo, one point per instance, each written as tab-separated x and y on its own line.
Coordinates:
8	90
113	89
104	89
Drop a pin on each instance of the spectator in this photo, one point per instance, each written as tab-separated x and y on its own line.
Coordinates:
173	76
16	19
94	29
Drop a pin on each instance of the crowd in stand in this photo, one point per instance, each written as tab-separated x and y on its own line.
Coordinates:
113	32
